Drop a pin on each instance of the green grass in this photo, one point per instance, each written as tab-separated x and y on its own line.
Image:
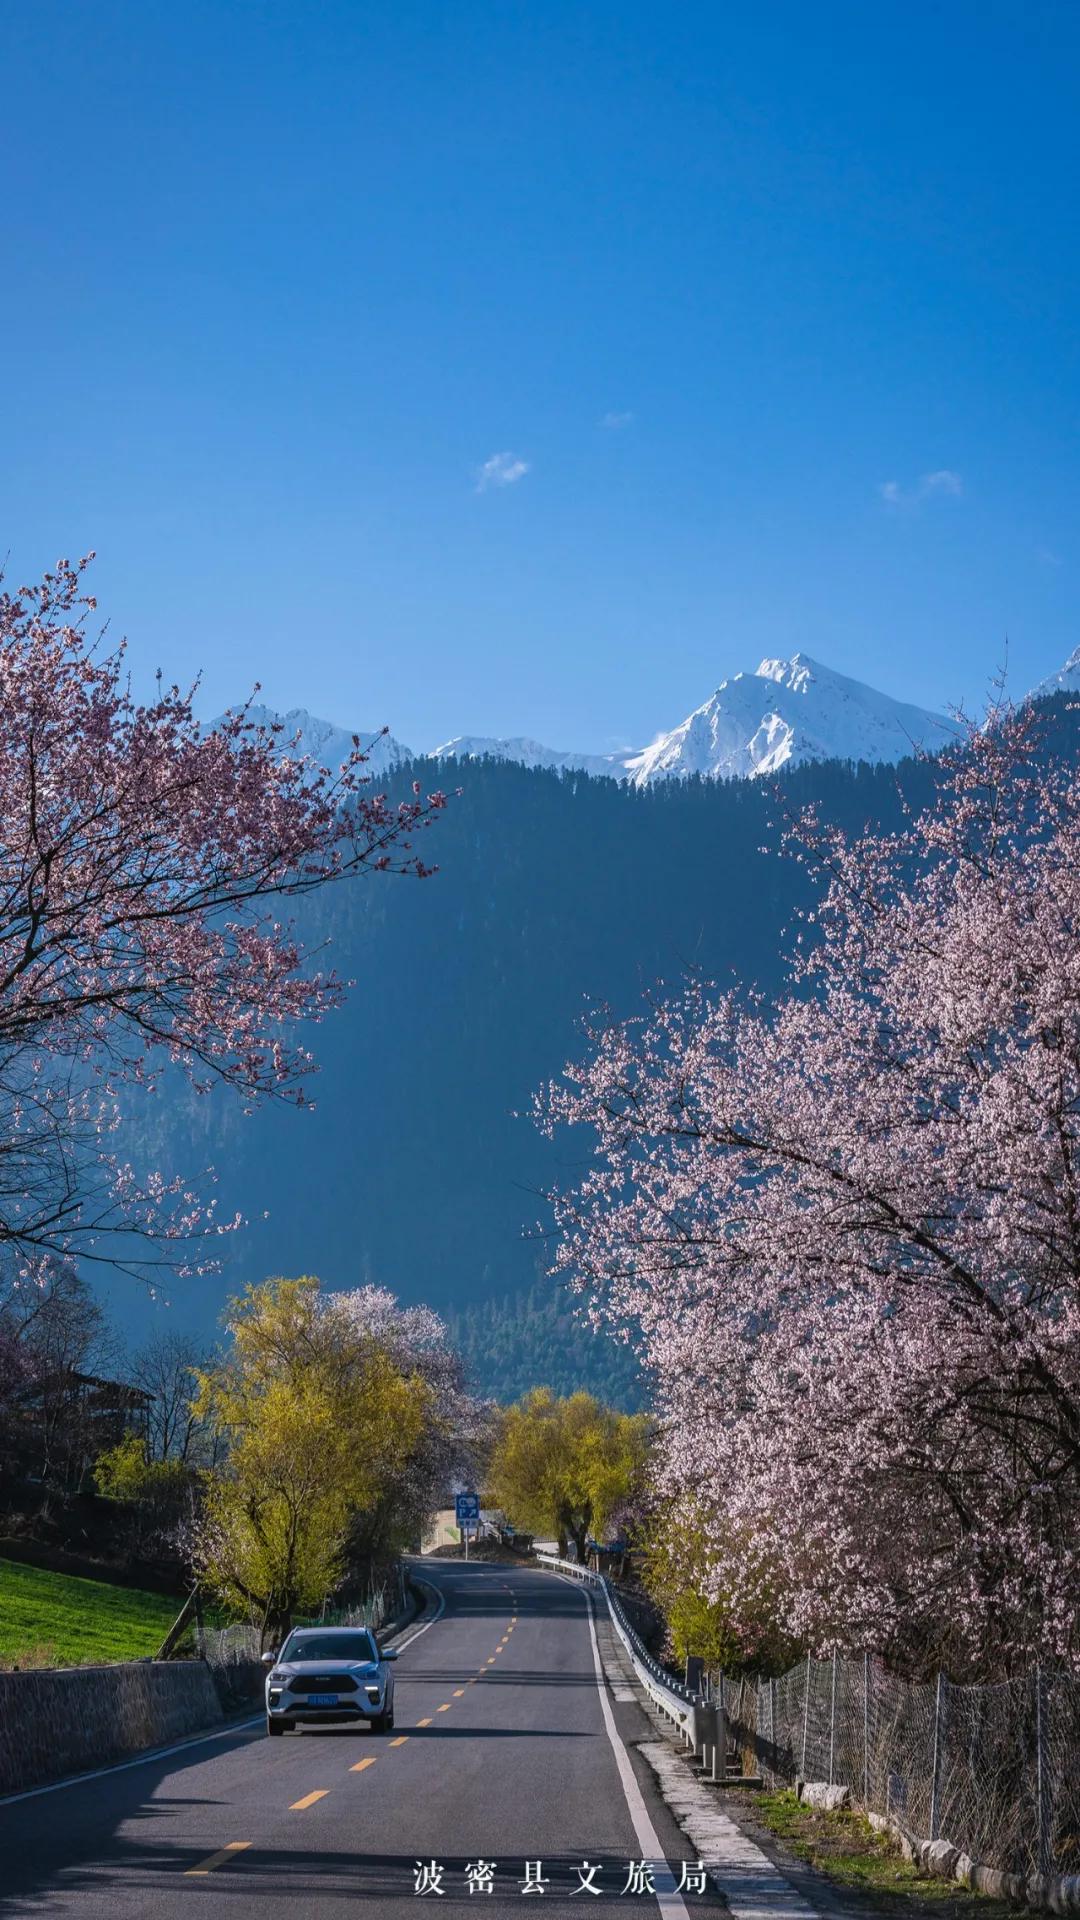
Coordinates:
55	1620
848	1850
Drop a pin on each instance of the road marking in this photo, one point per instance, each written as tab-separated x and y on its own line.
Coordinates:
458	1691
670	1903
445	1708
361	1764
436	1616
424	1723
400	1741
202	1739
218	1859
491	1662
309	1800
124	1766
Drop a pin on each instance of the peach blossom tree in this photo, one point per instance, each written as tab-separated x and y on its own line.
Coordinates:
149	868
844	1230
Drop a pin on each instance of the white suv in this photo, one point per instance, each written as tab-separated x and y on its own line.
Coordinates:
324	1676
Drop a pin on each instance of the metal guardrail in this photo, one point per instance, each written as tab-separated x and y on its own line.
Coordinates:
702	1722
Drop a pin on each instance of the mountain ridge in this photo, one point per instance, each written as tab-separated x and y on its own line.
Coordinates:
786	713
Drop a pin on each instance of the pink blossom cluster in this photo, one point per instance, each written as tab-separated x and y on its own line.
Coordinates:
844	1230
146	869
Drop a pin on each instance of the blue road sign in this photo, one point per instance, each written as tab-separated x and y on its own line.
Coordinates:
467	1508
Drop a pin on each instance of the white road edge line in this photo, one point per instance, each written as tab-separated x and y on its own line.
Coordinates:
198	1740
140	1760
669	1902
437	1615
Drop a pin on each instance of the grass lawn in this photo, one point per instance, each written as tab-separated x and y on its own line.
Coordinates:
55	1620
845	1848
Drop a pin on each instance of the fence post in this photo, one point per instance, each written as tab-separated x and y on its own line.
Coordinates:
772	1727
832	1719
1042	1802
935	1781
805	1715
866	1729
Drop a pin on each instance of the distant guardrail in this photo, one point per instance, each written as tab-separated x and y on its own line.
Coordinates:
701	1721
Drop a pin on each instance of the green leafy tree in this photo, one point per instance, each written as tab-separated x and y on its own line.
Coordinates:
316	1419
564	1465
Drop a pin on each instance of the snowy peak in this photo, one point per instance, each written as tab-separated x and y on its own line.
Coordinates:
1065	680
786	713
307	737
527	753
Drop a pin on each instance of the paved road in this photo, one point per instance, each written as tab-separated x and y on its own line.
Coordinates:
507	1750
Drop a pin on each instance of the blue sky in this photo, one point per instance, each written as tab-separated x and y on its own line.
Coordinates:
766	314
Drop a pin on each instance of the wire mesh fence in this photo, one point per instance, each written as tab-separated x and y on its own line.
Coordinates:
995	1770
242	1641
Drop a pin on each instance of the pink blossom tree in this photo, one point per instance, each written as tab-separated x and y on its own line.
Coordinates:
845	1231
147	870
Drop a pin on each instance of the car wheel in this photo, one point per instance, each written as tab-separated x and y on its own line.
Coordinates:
273	1726
381	1722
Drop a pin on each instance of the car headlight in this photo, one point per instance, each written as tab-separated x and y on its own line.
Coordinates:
372	1692
274	1696
278	1676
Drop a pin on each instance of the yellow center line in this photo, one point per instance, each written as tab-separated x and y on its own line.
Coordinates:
218	1859
445	1708
458	1691
424	1723
400	1741
309	1800
361	1764
491	1662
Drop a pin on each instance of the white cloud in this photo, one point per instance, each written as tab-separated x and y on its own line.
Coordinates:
613	421
502	470
942	482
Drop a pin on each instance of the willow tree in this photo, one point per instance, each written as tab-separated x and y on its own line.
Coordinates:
317	1420
563	1466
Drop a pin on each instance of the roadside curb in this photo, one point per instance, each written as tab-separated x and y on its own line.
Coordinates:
751	1878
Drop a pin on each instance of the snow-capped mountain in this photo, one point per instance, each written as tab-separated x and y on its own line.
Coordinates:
329	745
782	715
1065	680
528	753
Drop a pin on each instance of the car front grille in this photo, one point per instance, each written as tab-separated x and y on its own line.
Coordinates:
323	1683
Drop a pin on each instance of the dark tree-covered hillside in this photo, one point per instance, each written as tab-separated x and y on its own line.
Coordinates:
553	892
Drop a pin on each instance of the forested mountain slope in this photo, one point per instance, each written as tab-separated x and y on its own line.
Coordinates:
553	891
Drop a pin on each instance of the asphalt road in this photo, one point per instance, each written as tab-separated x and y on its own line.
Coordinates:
506	1750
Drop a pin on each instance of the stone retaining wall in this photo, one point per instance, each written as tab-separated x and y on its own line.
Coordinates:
59	1721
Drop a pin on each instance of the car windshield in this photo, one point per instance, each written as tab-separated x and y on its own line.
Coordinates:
329	1646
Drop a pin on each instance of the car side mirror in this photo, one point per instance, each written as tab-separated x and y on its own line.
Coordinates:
389	1653
268	1659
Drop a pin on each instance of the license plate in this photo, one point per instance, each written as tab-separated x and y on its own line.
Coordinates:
323	1699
